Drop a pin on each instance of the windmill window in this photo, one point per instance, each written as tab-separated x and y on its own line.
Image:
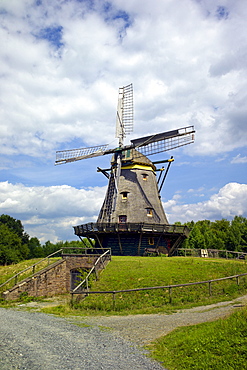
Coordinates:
149	212
127	154
151	241
124	195
122	219
144	177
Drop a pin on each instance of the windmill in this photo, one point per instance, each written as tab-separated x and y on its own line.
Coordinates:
132	219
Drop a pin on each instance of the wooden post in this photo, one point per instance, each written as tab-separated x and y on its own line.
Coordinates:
238	280
113	301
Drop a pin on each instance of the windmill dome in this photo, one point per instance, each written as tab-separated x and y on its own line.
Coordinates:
134	157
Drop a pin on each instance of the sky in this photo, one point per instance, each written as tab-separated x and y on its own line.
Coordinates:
61	64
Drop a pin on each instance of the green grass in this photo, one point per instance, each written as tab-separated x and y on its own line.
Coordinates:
138	272
217	345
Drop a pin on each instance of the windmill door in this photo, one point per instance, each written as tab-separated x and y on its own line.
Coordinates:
122	222
75	278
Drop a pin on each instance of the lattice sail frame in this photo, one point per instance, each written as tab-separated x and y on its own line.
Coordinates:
165	141
71	155
125	113
148	145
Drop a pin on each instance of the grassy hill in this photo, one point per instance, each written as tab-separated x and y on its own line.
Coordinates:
217	345
140	272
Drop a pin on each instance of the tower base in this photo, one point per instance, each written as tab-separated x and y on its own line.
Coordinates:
133	239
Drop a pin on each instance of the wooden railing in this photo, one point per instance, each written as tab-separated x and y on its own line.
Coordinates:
83	286
169	287
215	253
130	227
32	269
16	278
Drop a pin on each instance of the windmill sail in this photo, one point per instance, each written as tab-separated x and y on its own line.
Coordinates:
158	143
71	155
125	113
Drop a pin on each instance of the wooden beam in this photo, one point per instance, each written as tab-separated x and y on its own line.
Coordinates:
120	244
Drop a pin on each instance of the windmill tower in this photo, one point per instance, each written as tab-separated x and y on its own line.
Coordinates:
132	219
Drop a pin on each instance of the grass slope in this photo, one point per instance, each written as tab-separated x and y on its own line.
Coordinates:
138	272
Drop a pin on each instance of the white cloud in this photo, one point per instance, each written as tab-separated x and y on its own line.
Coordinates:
186	69
50	212
239	159
231	200
61	66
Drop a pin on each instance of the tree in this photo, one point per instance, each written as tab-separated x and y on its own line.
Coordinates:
11	248
220	234
15	226
35	248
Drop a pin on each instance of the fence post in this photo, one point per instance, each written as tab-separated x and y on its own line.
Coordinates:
238	280
113	301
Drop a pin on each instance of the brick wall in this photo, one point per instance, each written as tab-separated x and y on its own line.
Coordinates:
53	280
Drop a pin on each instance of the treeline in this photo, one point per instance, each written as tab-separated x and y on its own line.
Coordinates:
220	234
16	245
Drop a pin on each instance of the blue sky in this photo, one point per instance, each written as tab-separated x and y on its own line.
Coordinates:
62	63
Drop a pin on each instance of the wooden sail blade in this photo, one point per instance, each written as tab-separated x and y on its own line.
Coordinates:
72	155
162	142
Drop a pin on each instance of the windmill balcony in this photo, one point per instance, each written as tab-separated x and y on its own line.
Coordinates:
132	239
85	229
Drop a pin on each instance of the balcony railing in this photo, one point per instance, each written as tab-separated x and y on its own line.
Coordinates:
129	228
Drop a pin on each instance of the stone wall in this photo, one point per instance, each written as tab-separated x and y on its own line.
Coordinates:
53	280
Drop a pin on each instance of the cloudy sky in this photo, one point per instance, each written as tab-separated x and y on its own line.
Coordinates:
62	62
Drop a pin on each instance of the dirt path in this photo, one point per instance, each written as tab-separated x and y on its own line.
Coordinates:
142	329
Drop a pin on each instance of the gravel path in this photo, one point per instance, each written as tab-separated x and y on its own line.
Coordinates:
142	329
36	341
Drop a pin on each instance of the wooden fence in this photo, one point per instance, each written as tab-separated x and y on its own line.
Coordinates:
169	287
214	253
